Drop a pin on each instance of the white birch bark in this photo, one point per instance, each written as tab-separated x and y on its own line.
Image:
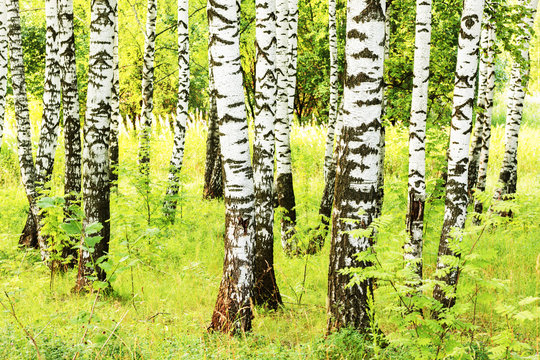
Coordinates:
97	134
70	102
417	138
334	85
232	312
284	183
359	153
266	292
3	65
292	42
50	122
115	114
514	113
147	88
181	109
456	188
22	118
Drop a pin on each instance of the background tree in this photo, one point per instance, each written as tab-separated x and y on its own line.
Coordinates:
417	138
181	109
357	167
96	169
456	189
3	65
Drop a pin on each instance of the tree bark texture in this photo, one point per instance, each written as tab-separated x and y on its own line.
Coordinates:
266	291
22	118
115	116
181	110
147	88
417	139
514	113
3	65
359	153
456	187
232	312
284	179
96	169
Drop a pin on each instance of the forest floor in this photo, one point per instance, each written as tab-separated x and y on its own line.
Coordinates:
168	275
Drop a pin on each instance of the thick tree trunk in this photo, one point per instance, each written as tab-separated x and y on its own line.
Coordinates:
213	179
233	312
22	118
518	86
96	188
284	179
266	291
169	206
70	102
358	163
456	188
417	139
115	116
3	66
147	89
487	66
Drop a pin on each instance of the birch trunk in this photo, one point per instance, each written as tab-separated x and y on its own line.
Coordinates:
284	181
22	118
514	113
70	102
3	65
232	312
96	137
417	139
213	180
266	291
456	187
358	163
334	87
115	115
147	89
181	110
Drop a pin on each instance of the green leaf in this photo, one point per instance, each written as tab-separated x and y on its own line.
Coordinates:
93	228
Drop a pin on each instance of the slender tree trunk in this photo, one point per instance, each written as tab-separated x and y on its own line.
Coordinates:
96	188
456	188
266	291
22	117
358	163
116	117
514	113
70	102
417	139
181	110
284	180
233	312
487	61
147	89
3	65
292	54
213	180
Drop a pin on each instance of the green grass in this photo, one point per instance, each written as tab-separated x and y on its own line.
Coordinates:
166	299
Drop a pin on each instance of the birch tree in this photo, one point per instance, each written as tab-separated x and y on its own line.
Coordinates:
485	108
96	138
232	312
266	291
284	180
3	65
70	102
417	138
358	163
147	88
456	187
22	118
514	112
115	115
181	109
